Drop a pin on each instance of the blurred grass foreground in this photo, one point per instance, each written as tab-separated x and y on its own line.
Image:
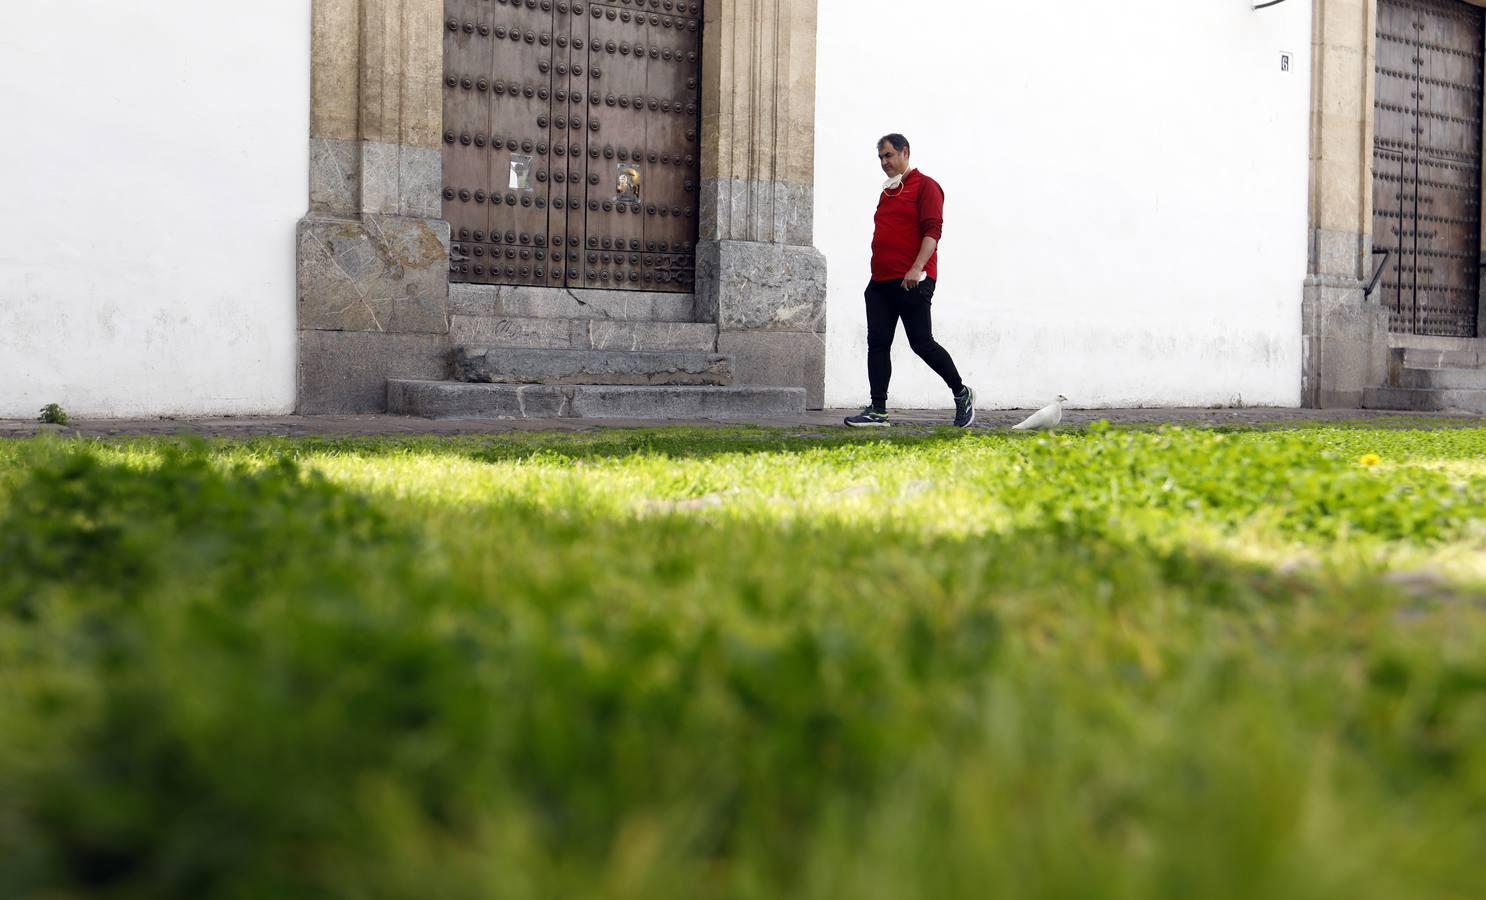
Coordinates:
704	664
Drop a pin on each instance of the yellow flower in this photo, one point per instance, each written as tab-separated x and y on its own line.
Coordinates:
1369	460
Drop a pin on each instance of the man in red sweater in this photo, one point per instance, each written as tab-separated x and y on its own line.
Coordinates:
905	266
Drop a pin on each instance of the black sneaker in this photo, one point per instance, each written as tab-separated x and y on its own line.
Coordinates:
869	418
965	408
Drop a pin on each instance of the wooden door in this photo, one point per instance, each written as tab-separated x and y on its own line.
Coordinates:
1427	164
571	136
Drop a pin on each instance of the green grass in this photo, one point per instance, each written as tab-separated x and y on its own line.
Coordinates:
742	664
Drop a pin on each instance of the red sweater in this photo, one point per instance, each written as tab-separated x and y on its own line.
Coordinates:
904	218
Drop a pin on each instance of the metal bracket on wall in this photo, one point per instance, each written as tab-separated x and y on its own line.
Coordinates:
1387	254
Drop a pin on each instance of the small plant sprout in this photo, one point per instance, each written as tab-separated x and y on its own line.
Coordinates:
53	414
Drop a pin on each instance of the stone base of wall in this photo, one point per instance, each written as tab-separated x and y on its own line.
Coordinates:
769	303
346	372
779	359
1345	350
374	273
753	286
373	305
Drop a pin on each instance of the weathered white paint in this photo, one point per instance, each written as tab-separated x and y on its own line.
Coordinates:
1126	194
154	157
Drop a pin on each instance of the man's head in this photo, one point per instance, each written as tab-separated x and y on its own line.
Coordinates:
892	153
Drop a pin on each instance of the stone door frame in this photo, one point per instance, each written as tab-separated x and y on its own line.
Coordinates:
1346	338
373	252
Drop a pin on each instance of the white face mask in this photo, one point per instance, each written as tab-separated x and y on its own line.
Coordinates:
897	180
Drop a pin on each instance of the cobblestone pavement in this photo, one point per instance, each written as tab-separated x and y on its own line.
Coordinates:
912	420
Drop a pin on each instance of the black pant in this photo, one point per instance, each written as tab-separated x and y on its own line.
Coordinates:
887	302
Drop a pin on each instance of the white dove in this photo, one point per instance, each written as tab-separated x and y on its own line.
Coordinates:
1046	417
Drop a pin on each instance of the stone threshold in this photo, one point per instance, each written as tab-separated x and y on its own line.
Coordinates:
1432	342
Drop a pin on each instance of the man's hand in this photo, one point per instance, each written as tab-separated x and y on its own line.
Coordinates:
925	252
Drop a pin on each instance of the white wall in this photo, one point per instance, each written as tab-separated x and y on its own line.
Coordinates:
1126	194
154	163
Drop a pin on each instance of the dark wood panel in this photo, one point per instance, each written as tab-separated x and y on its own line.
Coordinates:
571	141
1427	164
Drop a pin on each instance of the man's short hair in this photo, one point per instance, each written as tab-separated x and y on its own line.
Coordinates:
899	142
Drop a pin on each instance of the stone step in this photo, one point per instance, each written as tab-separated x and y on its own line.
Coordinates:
1439	379
1436	342
579	334
458	400
1436	358
506	365
1420	400
528	302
